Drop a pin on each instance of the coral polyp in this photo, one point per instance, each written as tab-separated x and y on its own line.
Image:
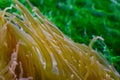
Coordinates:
32	48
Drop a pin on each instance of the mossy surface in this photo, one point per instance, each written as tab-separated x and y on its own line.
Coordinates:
82	20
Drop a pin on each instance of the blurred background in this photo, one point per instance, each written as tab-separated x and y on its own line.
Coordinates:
82	20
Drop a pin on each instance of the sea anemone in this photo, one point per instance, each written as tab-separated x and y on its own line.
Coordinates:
32	48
